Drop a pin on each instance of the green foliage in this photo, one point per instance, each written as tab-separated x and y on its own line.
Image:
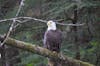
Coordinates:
31	64
33	31
12	13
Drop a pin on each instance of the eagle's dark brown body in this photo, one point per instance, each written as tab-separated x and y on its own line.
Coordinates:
52	40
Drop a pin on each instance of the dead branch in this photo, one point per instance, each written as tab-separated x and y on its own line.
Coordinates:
40	20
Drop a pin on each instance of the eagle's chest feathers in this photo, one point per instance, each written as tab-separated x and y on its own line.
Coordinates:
53	39
53	34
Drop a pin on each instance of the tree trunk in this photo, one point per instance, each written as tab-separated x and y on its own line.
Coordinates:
74	21
2	52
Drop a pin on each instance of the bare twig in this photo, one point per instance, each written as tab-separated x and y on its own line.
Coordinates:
70	24
20	23
4	20
40	20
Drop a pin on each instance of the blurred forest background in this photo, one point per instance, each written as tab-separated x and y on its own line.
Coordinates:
88	35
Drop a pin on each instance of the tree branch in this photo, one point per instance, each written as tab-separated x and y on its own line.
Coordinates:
67	61
40	20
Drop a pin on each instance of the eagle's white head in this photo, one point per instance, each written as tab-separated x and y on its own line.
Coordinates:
51	25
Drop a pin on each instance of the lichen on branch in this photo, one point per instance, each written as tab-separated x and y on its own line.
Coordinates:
66	61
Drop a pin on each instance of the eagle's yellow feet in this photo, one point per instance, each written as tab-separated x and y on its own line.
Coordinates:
54	52
62	56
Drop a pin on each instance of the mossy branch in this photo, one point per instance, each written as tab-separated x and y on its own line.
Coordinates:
66	61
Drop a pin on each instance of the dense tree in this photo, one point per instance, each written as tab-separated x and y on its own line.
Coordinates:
85	38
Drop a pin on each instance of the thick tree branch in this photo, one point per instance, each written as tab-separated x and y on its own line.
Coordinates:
67	61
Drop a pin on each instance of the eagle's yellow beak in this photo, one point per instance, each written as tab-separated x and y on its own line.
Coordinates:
49	23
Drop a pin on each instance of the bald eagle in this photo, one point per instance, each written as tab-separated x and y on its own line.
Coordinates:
52	37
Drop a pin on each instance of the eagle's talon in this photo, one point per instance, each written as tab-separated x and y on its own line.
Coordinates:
61	56
54	52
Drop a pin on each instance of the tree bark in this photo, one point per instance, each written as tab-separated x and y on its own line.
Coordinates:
2	52
65	61
74	21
